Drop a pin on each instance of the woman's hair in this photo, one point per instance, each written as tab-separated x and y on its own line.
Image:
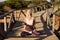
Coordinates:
29	12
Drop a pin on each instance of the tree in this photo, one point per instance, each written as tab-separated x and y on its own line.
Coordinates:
15	4
1	5
6	8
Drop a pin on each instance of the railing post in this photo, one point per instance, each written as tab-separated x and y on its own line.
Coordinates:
47	16
15	14
36	9
10	21
53	23
5	24
20	15
33	10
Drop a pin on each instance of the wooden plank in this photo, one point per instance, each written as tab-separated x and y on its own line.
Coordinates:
53	37
21	39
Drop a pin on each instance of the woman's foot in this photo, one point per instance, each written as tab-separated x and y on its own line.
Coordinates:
35	32
34	35
28	31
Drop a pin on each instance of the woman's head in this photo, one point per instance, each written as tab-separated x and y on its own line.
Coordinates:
24	11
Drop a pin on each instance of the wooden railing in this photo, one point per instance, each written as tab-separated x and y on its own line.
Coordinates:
5	21
12	19
53	18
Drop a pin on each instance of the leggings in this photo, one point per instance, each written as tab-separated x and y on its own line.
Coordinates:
29	27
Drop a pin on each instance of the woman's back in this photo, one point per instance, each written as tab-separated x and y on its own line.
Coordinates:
29	18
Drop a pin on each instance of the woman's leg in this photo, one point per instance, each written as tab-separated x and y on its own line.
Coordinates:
27	29
34	28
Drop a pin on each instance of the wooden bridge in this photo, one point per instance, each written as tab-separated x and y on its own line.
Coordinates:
41	25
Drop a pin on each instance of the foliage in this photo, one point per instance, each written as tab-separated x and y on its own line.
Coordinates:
14	4
1	5
17	4
6	8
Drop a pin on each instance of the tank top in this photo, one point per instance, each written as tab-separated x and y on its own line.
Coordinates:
29	21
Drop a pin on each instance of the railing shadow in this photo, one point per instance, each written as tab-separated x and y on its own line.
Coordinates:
14	28
46	31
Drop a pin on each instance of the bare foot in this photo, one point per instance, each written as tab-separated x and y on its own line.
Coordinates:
28	31
35	32
34	35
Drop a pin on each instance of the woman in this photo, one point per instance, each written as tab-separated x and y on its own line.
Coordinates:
29	23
